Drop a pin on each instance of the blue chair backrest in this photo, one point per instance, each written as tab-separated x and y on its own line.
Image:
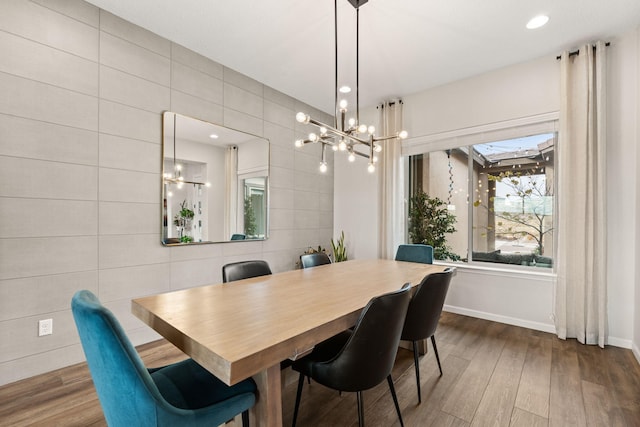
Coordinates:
126	390
415	253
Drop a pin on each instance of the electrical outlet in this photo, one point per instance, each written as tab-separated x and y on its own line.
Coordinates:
45	327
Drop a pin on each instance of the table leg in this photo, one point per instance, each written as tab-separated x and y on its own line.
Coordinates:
422	346
267	411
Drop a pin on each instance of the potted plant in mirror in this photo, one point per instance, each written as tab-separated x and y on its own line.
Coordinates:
250	225
182	221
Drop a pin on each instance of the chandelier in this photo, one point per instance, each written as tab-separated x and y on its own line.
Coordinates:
347	135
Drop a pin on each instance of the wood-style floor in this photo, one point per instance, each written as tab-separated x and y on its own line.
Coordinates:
494	374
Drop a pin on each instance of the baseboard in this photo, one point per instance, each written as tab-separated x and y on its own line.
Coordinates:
636	353
537	326
619	342
502	319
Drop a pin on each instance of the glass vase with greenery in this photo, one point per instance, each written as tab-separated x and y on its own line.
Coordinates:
182	220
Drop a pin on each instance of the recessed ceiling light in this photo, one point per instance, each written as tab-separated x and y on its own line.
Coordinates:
537	22
213	136
344	89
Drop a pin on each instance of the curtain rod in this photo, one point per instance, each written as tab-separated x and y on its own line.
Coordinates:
575	52
399	101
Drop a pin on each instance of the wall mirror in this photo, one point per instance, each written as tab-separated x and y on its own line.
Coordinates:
215	183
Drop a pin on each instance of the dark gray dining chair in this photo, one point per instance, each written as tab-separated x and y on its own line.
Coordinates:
315	259
354	361
244	270
424	313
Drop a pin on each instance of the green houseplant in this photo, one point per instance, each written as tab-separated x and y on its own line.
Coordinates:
250	226
339	249
429	224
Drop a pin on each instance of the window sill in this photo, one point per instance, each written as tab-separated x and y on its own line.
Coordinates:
506	270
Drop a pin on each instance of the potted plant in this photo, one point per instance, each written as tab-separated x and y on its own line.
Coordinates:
339	249
429	224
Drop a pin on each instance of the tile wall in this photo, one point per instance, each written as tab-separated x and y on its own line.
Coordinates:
81	97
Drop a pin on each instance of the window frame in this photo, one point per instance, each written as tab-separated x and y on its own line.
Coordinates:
467	137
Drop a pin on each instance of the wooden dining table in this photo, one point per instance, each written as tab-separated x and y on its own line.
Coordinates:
246	328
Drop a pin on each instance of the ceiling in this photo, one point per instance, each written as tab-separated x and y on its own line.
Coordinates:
405	45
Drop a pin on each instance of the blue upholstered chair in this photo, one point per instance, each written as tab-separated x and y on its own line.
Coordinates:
182	394
415	253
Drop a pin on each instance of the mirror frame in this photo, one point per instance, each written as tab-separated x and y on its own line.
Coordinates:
166	222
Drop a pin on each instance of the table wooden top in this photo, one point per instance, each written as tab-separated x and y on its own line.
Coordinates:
238	329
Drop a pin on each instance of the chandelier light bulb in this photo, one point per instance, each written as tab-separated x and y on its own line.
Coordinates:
403	134
352	157
343	104
334	147
323	167
342	145
375	159
362	128
170	194
313	137
371	168
302	117
352	122
299	143
371	130
207	184
378	148
323	131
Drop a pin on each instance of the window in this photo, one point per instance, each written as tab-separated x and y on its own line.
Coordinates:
496	197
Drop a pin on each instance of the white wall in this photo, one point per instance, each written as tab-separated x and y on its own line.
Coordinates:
356	207
622	221
523	90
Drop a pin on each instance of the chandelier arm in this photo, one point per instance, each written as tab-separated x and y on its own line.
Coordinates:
371	147
357	153
338	132
180	181
384	138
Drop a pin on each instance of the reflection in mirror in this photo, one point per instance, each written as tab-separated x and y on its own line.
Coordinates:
215	183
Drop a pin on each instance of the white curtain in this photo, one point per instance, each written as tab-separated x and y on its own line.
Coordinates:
581	288
231	191
391	227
